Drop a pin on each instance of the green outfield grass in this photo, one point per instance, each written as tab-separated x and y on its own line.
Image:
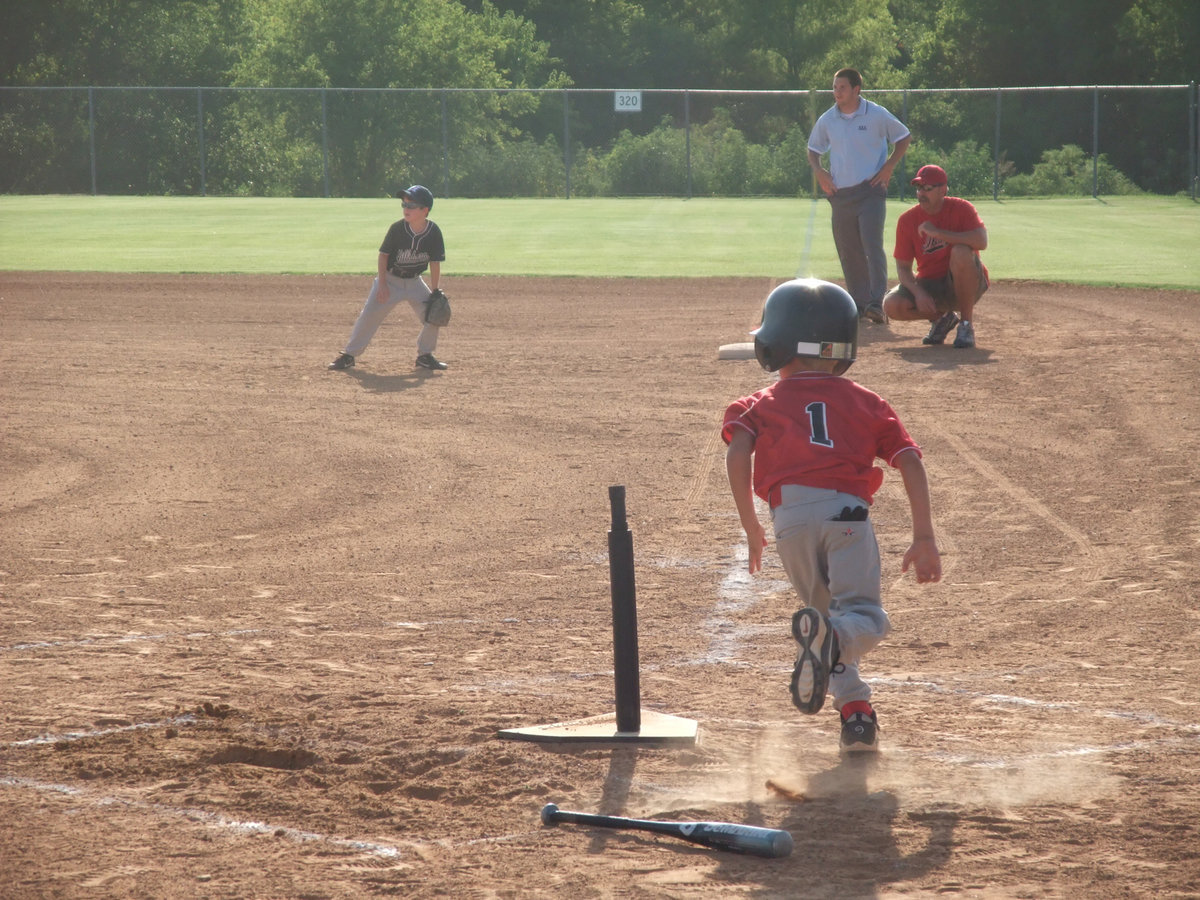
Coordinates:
1142	241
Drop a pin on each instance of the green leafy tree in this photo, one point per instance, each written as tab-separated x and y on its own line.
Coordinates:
981	43
380	139
799	44
624	43
108	42
1159	41
146	141
913	19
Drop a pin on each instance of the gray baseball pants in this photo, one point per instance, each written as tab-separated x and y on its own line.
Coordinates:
858	217
415	291
834	566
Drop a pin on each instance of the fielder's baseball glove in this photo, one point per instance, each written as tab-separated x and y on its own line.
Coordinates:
437	309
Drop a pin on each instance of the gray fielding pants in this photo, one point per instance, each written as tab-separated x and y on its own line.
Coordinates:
858	214
412	290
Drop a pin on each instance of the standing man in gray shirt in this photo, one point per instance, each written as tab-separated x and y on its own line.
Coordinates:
856	134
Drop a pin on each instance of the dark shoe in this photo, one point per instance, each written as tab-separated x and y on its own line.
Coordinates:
429	361
873	312
966	336
815	660
860	731
941	328
345	361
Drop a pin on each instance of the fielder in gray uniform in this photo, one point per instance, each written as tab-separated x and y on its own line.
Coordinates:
856	134
412	245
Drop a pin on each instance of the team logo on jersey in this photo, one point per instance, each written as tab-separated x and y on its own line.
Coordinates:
932	245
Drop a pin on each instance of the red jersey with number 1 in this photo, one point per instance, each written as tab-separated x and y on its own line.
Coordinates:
819	430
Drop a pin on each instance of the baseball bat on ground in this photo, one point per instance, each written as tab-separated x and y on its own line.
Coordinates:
770	842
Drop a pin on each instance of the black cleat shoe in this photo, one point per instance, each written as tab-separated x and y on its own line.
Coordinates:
345	361
429	361
941	328
860	732
815	660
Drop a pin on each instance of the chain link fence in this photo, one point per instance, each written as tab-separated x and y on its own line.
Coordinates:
357	142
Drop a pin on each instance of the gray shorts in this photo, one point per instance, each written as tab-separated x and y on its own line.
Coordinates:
942	289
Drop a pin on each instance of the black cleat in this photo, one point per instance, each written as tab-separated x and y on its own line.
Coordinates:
345	361
429	361
941	328
860	733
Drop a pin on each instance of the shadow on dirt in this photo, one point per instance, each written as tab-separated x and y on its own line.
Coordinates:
391	384
846	842
944	357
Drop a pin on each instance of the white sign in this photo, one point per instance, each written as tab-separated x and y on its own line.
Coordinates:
627	101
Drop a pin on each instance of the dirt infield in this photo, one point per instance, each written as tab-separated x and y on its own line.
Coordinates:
261	622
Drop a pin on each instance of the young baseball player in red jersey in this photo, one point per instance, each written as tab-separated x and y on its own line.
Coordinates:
807	445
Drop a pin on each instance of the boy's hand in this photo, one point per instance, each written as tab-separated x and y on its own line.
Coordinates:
756	537
923	555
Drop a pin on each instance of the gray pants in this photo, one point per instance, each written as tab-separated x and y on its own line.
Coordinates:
835	568
416	292
858	215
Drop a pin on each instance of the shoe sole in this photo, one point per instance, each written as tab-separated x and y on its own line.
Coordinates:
859	748
874	315
341	368
810	677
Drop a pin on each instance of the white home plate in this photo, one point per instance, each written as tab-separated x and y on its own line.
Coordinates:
736	351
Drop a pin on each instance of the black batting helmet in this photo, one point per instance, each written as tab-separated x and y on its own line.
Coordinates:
810	318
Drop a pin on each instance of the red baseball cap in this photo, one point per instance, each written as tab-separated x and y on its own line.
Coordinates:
930	176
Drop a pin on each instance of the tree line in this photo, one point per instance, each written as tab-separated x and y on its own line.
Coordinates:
271	147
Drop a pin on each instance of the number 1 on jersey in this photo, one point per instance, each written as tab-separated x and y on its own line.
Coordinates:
818	432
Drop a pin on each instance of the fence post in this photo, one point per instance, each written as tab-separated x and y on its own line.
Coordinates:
1095	142
445	148
1193	135
92	134
200	136
325	141
903	159
996	169
567	138
687	136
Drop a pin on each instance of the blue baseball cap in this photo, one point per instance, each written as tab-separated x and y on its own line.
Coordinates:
417	194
